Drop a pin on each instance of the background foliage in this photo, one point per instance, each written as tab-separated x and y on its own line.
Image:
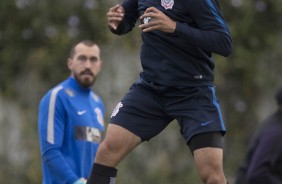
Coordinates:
35	38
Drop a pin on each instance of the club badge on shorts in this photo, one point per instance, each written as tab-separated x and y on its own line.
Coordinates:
167	4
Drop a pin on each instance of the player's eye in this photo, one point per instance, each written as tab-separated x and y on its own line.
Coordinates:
93	59
82	58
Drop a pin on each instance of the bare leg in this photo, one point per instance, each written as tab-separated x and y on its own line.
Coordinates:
117	144
209	164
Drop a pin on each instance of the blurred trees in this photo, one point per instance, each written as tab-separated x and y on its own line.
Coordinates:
37	34
35	38
247	81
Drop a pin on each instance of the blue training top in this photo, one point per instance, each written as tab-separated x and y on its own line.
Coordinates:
182	58
71	122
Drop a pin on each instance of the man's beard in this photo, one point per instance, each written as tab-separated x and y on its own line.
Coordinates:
85	82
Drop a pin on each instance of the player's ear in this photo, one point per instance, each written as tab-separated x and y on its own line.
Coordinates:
101	64
69	63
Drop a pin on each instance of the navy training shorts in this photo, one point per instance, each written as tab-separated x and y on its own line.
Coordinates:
148	108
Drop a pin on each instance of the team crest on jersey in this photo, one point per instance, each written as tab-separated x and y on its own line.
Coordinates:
70	92
119	105
167	4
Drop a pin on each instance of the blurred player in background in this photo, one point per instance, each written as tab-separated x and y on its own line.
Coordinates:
263	161
71	120
177	82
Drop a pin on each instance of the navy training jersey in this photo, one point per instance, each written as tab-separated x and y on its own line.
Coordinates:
182	58
71	122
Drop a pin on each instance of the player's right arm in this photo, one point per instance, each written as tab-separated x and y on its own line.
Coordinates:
51	122
115	16
122	18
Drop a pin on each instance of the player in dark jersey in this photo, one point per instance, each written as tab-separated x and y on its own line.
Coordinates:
179	38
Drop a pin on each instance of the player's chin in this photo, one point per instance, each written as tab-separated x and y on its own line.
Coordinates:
87	81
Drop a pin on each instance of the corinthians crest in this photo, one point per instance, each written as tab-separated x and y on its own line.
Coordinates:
167	4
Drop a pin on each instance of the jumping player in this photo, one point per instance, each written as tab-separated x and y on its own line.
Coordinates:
177	82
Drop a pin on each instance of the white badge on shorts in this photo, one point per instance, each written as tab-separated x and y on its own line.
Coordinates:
167	4
118	106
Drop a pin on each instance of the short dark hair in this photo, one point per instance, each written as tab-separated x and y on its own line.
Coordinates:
278	96
88	43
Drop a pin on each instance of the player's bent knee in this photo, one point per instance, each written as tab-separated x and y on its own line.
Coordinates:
212	177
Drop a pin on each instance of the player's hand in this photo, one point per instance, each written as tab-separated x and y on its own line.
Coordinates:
115	15
80	181
158	21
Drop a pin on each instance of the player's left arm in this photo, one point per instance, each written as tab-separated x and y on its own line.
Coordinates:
212	33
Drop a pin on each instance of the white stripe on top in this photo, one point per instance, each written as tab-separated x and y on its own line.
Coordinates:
50	130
